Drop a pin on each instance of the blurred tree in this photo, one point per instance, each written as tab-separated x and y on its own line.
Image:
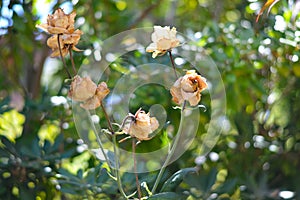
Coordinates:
257	158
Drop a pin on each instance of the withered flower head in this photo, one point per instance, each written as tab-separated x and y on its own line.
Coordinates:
96	100
188	88
67	41
142	125
59	22
163	40
84	90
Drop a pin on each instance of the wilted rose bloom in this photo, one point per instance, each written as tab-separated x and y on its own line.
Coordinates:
142	125
82	89
188	88
163	40
95	101
67	41
59	22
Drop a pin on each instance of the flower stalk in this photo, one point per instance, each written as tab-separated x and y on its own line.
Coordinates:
171	152
117	167
107	119
72	61
173	64
135	169
99	140
62	57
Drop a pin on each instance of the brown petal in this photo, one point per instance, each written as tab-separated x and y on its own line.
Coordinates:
56	52
176	92
154	124
91	103
102	91
75	48
44	27
82	89
56	30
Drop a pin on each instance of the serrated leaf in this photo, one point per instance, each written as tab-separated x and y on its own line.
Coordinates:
172	183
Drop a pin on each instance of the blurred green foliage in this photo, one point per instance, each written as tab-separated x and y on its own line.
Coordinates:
42	157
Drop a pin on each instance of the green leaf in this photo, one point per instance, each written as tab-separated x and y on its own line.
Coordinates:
227	187
211	179
59	139
167	196
172	183
103	176
8	145
80	174
203	181
33	150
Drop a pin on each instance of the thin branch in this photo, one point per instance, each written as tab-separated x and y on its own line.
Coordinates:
72	61
173	64
135	169
170	154
144	14
99	140
119	181
62	58
107	119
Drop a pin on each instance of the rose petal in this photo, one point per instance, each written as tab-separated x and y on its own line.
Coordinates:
91	103
82	89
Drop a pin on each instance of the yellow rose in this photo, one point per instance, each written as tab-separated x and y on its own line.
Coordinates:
142	125
188	88
163	40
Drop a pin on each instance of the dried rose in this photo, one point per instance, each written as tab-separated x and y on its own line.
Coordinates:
142	125
82	89
96	100
163	40
188	88
67	41
59	22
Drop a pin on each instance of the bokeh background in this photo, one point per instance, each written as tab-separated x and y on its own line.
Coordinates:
257	157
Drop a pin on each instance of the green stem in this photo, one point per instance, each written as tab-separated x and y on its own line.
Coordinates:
170	154
135	169
99	141
107	119
116	152
62	58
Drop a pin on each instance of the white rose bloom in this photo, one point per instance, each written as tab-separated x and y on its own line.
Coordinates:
163	40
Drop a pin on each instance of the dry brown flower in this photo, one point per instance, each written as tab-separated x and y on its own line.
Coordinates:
90	95
96	100
67	41
61	25
188	88
142	125
82	89
59	22
163	40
